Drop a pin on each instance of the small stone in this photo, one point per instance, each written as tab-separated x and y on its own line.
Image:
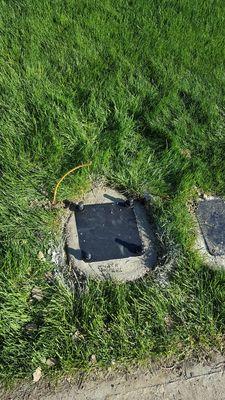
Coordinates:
41	256
93	359
37	294
51	362
37	375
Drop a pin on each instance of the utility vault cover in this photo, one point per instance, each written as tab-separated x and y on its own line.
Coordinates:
211	217
210	231
111	237
108	231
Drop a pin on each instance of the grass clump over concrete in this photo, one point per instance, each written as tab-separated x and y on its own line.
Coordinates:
138	88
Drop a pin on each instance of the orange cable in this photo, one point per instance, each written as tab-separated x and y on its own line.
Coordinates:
61	179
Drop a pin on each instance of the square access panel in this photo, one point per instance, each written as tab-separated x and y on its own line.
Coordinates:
108	231
211	217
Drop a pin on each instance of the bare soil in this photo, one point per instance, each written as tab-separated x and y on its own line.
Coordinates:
186	381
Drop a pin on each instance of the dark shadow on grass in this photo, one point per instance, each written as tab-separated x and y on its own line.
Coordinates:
194	107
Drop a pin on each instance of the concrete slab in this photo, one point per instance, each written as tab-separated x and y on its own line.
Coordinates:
121	269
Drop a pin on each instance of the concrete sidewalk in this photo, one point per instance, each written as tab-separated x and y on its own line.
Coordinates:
202	381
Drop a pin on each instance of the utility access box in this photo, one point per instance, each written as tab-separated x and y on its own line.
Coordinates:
108	231
110	237
211	218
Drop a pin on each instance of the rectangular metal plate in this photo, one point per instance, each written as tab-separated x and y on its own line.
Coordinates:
108	231
211	217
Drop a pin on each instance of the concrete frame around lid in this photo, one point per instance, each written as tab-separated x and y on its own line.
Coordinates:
125	269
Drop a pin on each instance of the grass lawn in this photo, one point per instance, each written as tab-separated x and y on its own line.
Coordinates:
138	87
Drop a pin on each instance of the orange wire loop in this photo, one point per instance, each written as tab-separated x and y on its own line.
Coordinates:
63	177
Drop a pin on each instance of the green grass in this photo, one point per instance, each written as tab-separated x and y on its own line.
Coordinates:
138	87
